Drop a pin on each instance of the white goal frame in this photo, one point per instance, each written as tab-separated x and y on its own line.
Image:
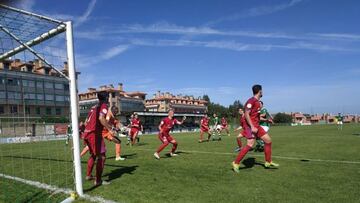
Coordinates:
63	27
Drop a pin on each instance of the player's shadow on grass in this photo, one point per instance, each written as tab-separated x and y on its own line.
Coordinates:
250	163
127	156
167	155
115	174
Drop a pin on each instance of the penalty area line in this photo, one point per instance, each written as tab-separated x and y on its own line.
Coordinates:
55	189
274	156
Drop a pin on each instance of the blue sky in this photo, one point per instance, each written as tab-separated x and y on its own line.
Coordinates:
305	53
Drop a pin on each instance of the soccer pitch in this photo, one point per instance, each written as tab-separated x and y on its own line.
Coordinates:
317	164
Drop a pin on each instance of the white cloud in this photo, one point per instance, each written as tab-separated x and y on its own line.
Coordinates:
85	61
85	16
26	5
339	36
257	11
236	46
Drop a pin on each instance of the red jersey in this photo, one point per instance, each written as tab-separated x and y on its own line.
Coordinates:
167	124
135	124
253	107
93	123
243	122
223	122
205	122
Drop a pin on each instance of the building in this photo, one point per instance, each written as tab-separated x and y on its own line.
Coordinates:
32	89
127	102
162	102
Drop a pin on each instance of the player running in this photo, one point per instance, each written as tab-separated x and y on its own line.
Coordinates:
204	128
252	130
164	135
96	121
242	124
215	127
136	126
265	120
111	135
224	126
340	121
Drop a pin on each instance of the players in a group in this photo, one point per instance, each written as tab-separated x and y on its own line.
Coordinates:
96	122
340	121
164	135
135	128
252	130
204	128
110	135
224	126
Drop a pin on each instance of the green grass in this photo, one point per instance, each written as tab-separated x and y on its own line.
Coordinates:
202	172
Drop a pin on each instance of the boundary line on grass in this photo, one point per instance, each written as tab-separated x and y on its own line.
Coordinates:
274	156
55	189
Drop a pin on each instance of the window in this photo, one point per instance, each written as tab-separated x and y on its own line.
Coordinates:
66	87
60	98
27	110
59	86
40	97
2	95
49	85
49	97
29	96
2	111
13	109
48	111
1	81
38	110
39	84
12	82
28	83
14	95
6	66
58	111
67	98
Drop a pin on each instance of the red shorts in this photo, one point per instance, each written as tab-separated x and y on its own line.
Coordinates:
205	130
165	138
246	132
224	126
95	143
134	132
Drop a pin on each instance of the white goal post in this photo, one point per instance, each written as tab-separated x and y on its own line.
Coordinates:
23	43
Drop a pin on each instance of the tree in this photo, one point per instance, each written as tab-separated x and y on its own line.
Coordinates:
282	118
206	98
234	108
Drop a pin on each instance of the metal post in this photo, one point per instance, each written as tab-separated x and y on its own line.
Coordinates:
74	108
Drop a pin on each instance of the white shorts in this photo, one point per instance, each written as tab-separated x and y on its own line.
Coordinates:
219	127
266	128
339	122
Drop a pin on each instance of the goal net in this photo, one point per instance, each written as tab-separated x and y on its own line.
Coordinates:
38	103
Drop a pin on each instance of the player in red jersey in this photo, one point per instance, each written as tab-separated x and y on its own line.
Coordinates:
224	125
242	124
252	130
164	135
136	126
204	128
96	121
110	135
